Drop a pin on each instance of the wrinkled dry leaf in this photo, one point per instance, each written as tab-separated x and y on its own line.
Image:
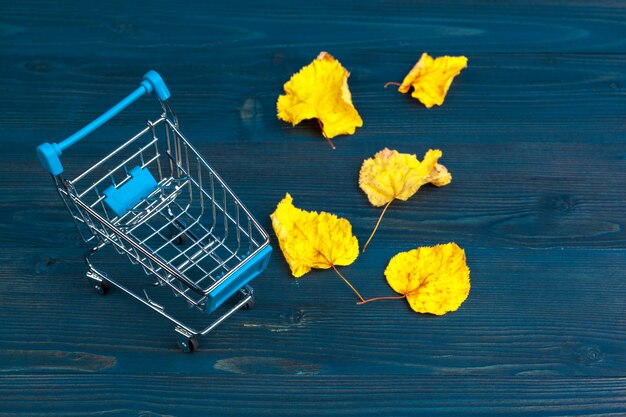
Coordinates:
313	240
431	78
320	90
391	175
434	279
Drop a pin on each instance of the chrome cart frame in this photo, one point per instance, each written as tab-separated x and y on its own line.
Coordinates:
157	201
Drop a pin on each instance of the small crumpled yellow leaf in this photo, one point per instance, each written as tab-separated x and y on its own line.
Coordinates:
431	78
313	240
434	279
320	90
391	174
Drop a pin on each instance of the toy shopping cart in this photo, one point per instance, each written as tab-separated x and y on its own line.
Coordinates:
157	201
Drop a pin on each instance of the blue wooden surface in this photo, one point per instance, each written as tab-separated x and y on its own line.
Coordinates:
533	132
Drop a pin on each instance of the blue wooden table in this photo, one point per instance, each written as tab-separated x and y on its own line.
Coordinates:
532	131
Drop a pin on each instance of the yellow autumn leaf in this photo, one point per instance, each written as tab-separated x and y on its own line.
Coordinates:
433	279
391	175
431	78
320	90
313	240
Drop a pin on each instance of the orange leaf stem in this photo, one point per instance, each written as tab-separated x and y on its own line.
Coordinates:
391	297
392	83
332	145
348	282
376	227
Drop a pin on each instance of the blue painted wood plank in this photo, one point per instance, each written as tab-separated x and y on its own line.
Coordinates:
75	395
201	28
504	97
532	132
509	195
530	312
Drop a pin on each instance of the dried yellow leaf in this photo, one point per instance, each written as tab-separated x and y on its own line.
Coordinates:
313	240
320	90
434	279
431	78
391	175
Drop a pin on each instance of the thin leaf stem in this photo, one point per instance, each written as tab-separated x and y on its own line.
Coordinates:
392	83
391	297
348	282
332	145
376	227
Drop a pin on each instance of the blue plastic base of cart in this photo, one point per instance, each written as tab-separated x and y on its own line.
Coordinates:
128	195
238	280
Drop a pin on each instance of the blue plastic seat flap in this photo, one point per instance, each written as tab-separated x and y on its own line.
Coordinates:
129	194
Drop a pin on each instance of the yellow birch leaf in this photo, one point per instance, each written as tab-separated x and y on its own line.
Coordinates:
320	90
431	78
391	175
433	279
313	240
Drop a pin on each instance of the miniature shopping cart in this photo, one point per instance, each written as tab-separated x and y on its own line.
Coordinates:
157	201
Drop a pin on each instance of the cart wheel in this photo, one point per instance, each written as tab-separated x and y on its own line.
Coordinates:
101	287
188	345
97	280
249	305
177	237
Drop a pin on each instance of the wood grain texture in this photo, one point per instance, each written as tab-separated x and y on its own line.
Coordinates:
532	131
526	322
158	395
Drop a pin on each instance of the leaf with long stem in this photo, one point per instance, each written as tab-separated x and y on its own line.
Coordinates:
391	175
314	240
434	280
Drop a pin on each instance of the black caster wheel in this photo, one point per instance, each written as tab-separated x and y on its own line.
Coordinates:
97	281
249	305
189	345
101	288
177	237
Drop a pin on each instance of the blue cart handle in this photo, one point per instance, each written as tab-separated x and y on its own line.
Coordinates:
48	153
